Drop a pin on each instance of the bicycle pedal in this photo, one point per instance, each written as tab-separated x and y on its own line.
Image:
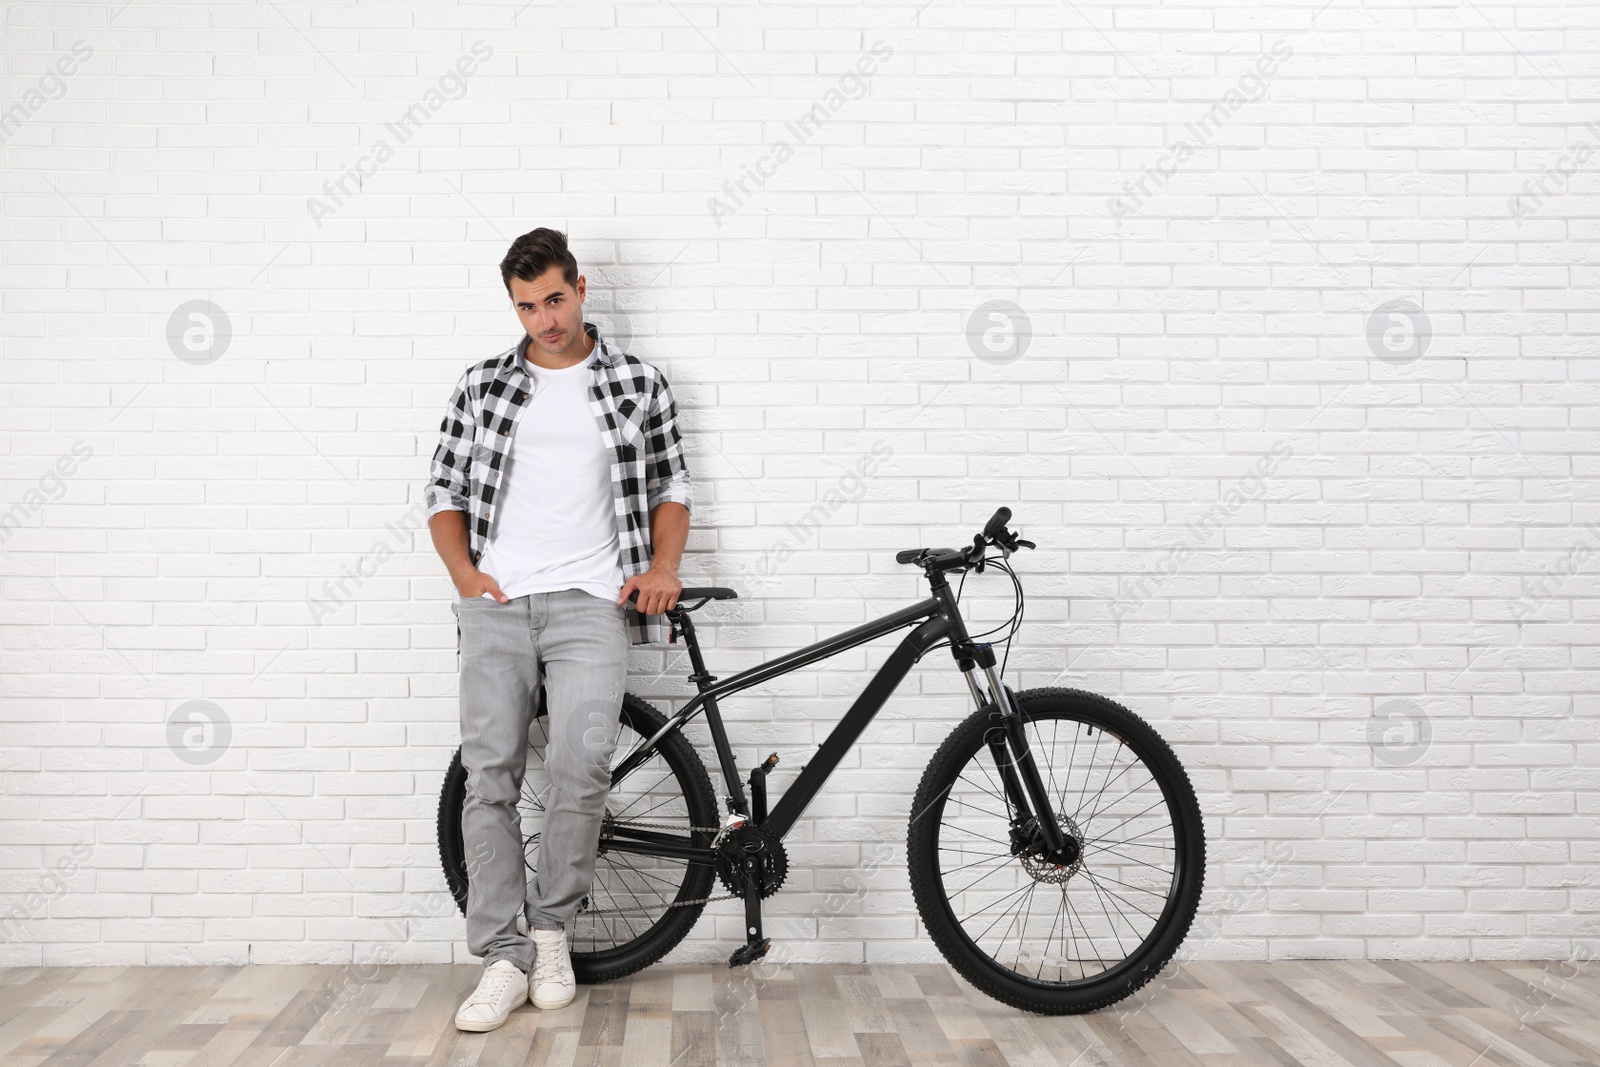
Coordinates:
749	952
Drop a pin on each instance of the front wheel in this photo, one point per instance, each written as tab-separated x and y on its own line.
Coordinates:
1047	936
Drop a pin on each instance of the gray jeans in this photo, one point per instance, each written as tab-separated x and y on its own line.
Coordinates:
577	643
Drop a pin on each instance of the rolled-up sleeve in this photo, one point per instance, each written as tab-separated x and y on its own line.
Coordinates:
666	473
447	479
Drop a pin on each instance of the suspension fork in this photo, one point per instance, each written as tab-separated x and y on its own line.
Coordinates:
1029	795
1019	773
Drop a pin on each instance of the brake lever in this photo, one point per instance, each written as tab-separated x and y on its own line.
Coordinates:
1007	542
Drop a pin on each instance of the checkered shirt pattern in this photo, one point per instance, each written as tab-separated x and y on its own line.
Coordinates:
638	418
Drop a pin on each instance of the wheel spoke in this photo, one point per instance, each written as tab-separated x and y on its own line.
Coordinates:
645	793
975	833
1130	859
640	816
1020	889
1051	936
978	879
1159	801
981	859
1098	793
1108	891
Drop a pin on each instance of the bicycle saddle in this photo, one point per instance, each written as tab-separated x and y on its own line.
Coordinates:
703	593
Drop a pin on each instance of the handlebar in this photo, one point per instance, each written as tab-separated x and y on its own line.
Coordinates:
945	559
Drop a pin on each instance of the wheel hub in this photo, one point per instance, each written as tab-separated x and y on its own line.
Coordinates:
1041	865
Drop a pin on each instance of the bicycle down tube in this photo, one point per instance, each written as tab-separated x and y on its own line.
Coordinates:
814	773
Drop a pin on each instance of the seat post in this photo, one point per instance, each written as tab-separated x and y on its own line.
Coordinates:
719	736
700	678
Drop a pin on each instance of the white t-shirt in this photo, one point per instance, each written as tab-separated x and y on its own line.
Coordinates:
556	525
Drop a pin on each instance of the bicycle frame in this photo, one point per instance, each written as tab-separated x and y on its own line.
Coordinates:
783	815
939	618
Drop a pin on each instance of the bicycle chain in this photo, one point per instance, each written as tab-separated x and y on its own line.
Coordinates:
676	903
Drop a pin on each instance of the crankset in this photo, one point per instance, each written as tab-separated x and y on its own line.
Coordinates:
750	856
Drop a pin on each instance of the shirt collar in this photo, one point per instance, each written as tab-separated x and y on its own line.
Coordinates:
603	351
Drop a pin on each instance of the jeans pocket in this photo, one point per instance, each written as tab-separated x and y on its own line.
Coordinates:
476	600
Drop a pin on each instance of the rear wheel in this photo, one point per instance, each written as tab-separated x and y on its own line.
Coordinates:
629	919
1058	937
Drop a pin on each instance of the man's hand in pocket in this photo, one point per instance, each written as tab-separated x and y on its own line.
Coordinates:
477	583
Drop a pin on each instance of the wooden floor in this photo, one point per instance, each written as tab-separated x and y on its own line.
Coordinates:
1318	1014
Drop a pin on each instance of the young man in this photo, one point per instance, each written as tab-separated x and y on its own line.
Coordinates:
558	489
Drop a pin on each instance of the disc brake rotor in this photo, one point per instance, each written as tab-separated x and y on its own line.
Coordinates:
1043	870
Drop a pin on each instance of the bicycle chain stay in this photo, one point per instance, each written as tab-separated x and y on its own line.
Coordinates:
674	904
718	830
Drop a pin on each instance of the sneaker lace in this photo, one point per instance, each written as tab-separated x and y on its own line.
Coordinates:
547	965
490	988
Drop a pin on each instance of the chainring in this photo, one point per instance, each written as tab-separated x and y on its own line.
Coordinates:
742	843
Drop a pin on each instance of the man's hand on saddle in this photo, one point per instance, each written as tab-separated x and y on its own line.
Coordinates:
658	591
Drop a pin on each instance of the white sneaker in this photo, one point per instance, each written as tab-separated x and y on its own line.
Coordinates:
551	985
502	988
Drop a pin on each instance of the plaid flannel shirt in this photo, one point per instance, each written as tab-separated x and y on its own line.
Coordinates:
637	417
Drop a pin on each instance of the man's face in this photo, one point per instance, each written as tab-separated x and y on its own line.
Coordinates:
551	312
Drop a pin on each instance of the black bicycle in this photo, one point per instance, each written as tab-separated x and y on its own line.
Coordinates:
1055	848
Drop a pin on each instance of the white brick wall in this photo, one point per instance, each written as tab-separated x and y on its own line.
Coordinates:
1207	283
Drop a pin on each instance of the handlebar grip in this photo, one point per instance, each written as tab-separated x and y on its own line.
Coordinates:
908	555
997	525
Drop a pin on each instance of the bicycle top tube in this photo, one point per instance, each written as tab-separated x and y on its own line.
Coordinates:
820	650
788	662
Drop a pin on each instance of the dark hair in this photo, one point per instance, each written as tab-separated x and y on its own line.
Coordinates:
536	252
